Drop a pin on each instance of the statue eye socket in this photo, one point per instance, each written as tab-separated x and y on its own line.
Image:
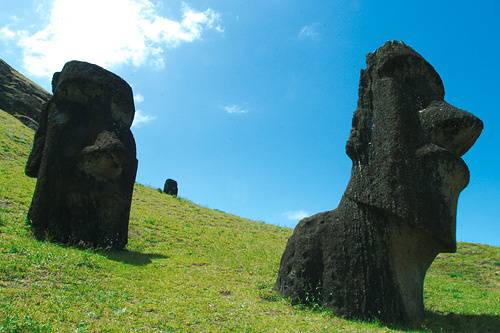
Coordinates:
394	66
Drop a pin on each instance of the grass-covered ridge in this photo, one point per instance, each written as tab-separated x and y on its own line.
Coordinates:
191	269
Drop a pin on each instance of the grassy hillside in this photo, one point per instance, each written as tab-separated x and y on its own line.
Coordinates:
191	269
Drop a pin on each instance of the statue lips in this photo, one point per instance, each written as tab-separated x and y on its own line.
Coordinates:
453	163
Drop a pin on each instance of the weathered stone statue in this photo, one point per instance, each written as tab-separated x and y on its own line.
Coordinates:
367	259
170	187
84	159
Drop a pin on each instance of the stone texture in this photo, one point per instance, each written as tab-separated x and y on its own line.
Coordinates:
21	97
84	159
367	259
170	187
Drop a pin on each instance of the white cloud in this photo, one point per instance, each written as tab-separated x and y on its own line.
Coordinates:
309	31
234	109
141	118
6	33
296	215
138	98
108	33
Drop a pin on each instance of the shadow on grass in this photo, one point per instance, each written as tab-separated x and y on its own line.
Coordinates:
434	322
132	257
461	323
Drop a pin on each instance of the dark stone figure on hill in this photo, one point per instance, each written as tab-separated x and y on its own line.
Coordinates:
84	159
170	187
367	259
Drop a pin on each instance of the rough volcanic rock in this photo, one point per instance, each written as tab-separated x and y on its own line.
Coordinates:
449	127
21	97
367	259
84	159
170	187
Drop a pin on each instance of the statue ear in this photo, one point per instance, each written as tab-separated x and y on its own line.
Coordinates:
386	129
35	157
55	81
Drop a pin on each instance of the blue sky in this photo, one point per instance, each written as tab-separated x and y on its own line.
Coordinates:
248	104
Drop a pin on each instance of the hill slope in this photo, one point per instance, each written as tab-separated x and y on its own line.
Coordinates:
189	268
20	96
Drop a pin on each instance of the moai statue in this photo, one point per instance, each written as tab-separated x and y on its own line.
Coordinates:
367	259
170	187
84	159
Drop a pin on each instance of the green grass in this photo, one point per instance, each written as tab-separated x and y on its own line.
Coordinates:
191	269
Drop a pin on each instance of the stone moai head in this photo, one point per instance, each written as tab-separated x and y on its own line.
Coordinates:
84	157
170	187
406	142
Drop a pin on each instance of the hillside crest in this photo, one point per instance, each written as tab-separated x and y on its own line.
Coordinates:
20	96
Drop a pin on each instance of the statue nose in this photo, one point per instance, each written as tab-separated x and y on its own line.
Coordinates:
449	127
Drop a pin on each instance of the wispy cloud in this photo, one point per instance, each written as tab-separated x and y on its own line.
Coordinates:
309	31
141	118
296	215
6	34
235	109
138	98
108	33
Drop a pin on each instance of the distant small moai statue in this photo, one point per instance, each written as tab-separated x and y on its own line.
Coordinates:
170	187
367	259
84	159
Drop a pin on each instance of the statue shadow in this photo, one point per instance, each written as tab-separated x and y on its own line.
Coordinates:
132	257
454	323
461	323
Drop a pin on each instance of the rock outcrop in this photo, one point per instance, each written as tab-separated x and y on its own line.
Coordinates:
367	259
170	187
21	97
84	159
